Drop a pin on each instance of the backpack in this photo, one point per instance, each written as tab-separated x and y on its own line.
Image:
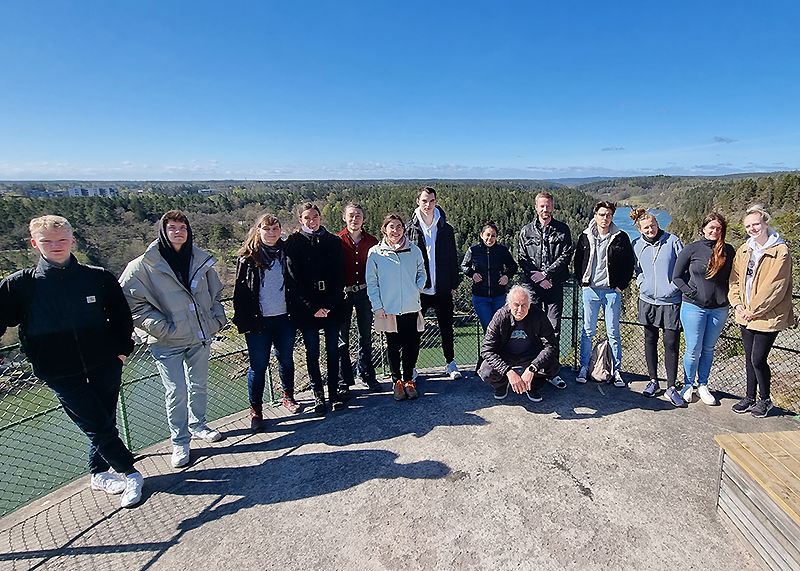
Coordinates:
601	363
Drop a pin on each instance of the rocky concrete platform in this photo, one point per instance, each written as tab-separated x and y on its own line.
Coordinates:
593	477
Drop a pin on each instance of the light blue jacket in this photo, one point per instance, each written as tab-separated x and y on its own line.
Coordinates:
395	278
654	265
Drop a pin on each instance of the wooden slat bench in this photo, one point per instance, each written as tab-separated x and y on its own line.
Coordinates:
759	494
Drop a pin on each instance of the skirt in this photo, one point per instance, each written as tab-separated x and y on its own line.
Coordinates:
661	316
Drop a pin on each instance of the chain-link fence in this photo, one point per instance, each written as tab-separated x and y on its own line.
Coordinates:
41	449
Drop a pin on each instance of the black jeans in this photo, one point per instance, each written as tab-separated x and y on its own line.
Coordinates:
494	378
551	302
366	369
405	341
90	400
757	345
330	329
442	304
672	340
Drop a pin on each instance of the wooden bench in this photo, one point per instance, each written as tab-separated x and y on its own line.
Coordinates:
759	494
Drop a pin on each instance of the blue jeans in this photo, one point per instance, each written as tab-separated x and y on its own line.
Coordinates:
364	366
184	373
330	329
701	329
593	299
486	307
275	331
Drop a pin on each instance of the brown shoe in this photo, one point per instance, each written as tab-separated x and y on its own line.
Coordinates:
290	404
399	391
257	423
411	389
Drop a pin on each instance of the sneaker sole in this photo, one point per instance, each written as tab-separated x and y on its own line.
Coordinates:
533	399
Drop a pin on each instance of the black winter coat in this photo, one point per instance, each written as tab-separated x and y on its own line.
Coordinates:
71	319
246	294
447	270
559	249
621	260
314	277
491	263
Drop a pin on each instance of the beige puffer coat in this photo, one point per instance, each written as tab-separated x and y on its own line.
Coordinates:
168	313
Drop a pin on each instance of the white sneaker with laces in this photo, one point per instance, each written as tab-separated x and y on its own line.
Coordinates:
618	381
133	490
108	482
180	455
451	370
686	393
581	378
207	434
706	396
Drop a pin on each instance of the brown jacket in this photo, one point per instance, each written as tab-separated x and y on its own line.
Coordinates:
771	293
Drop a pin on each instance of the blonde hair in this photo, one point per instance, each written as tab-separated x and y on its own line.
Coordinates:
758	209
640	214
49	222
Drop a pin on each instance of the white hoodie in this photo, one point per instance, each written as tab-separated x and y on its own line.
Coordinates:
756	252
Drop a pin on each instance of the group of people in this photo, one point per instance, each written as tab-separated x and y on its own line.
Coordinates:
77	322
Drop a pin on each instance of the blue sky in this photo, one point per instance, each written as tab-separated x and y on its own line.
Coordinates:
396	89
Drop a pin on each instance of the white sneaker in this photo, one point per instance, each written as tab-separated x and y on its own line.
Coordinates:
133	490
686	394
108	482
207	434
581	378
706	396
451	370
618	381
180	455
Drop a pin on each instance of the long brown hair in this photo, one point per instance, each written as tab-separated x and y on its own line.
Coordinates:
717	259
251	248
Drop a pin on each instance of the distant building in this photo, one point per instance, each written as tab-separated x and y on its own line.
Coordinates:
107	192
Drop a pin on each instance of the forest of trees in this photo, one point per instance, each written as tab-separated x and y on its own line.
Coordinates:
112	231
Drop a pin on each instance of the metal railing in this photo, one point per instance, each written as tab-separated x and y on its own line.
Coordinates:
41	449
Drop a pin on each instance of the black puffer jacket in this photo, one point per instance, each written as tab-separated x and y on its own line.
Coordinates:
558	244
71	319
314	277
447	271
492	264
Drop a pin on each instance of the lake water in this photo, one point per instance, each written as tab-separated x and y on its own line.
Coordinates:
622	218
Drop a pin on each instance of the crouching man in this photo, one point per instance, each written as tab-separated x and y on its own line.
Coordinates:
520	348
75	328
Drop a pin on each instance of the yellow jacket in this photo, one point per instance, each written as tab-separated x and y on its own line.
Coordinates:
771	292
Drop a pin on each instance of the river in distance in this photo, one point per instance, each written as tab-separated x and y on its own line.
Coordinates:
622	218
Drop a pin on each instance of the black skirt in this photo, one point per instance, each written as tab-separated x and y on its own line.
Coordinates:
661	316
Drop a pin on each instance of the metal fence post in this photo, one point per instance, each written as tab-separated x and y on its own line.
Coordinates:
123	416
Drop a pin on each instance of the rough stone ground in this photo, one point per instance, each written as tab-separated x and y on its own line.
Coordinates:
594	477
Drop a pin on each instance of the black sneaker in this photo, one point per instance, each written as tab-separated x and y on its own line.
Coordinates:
338	402
374	386
319	404
501	392
761	408
534	395
744	405
652	388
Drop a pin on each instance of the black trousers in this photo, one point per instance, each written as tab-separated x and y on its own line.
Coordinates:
757	345
90	400
442	304
551	302
402	348
497	380
672	340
